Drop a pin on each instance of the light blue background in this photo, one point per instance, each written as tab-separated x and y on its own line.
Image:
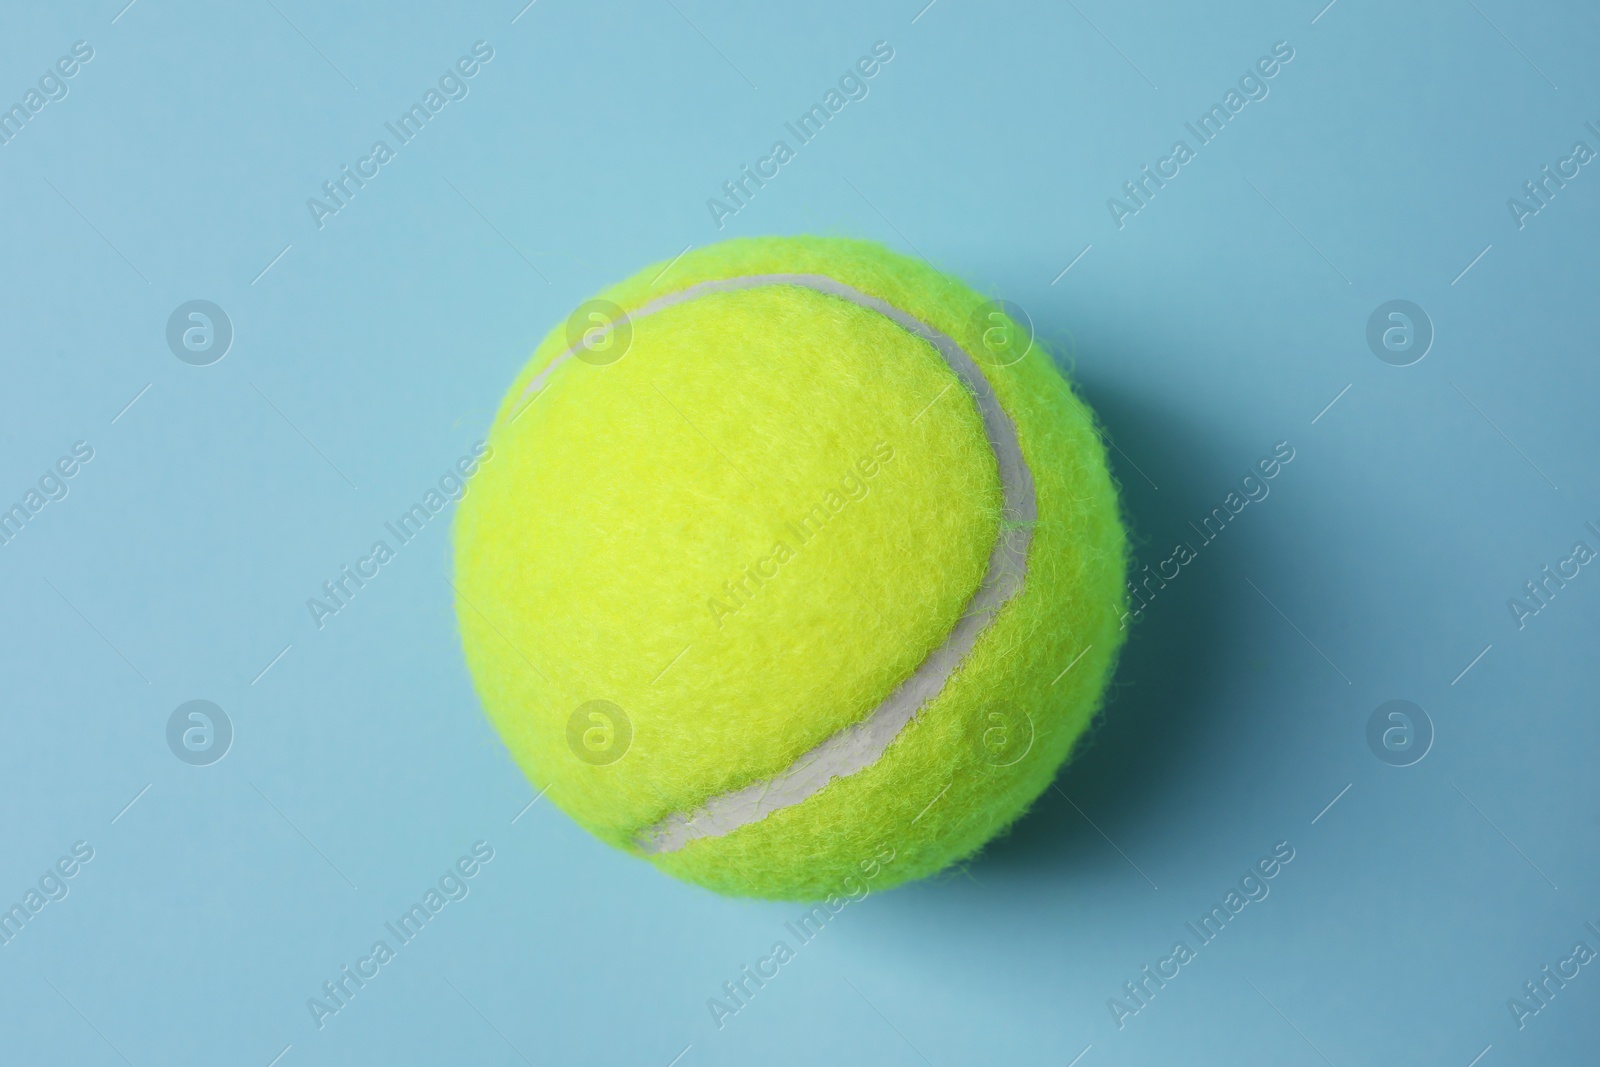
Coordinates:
1222	319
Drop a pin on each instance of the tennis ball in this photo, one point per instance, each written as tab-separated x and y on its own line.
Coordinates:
798	570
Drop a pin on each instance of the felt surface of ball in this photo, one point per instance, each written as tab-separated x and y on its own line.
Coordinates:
797	568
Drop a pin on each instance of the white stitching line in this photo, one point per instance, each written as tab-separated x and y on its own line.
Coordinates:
859	745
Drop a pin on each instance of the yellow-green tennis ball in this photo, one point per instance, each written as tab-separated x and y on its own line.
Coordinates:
797	568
